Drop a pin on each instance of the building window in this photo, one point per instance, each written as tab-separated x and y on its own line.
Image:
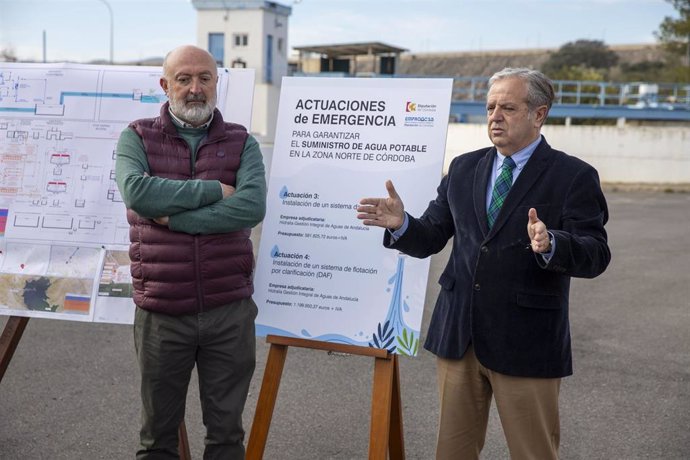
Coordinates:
239	64
279	45
216	46
268	68
240	40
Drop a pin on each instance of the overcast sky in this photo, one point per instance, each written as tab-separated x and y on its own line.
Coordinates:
79	30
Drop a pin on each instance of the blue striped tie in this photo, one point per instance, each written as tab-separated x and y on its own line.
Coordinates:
501	189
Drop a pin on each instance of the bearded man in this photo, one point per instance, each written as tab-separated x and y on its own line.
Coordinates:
194	186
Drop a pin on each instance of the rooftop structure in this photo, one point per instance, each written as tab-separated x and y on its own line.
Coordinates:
249	34
343	58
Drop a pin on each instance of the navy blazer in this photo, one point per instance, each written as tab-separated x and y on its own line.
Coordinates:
495	292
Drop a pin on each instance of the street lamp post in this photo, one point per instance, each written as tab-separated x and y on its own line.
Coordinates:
110	10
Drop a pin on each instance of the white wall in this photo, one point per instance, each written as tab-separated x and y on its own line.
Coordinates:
265	113
628	154
257	24
230	23
276	26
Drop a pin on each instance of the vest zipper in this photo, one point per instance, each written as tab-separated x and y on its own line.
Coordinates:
197	266
197	261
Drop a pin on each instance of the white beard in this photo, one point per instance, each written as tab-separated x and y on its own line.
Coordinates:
196	114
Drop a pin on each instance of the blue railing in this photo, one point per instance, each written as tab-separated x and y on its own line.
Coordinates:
574	98
587	99
597	93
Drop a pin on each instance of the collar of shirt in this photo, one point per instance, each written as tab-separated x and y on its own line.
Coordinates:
184	124
520	158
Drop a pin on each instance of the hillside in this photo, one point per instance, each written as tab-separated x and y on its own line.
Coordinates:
488	62
485	63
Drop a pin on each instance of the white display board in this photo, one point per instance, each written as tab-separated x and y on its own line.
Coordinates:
321	274
63	227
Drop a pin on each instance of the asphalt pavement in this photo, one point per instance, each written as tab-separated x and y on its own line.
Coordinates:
71	391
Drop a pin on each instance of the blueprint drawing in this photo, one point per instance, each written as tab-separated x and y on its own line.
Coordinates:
63	228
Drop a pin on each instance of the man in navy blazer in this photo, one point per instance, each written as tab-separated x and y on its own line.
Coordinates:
500	325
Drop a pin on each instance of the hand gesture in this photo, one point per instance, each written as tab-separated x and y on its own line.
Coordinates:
382	212
539	237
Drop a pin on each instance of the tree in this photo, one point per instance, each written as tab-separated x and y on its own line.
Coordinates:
674	33
577	73
585	54
7	55
643	71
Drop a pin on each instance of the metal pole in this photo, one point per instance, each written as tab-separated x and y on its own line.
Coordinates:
44	46
110	10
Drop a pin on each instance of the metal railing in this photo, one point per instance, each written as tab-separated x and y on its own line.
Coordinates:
593	93
574	98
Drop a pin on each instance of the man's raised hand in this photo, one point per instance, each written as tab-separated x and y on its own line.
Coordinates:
539	237
382	212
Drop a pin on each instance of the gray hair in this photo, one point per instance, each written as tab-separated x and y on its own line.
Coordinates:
539	87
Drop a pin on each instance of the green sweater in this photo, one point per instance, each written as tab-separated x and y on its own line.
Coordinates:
194	206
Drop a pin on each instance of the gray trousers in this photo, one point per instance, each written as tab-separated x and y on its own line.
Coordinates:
221	342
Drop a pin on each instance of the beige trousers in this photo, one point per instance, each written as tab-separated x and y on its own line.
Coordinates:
527	407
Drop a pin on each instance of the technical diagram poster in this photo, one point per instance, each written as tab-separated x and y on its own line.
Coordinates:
321	274
63	228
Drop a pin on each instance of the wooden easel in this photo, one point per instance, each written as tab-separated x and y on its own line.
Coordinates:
386	431
9	340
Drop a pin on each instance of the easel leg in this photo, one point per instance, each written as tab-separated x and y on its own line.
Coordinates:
386	433
396	442
9	340
183	444
381	408
266	402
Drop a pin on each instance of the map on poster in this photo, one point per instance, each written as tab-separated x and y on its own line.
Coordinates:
63	228
321	274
